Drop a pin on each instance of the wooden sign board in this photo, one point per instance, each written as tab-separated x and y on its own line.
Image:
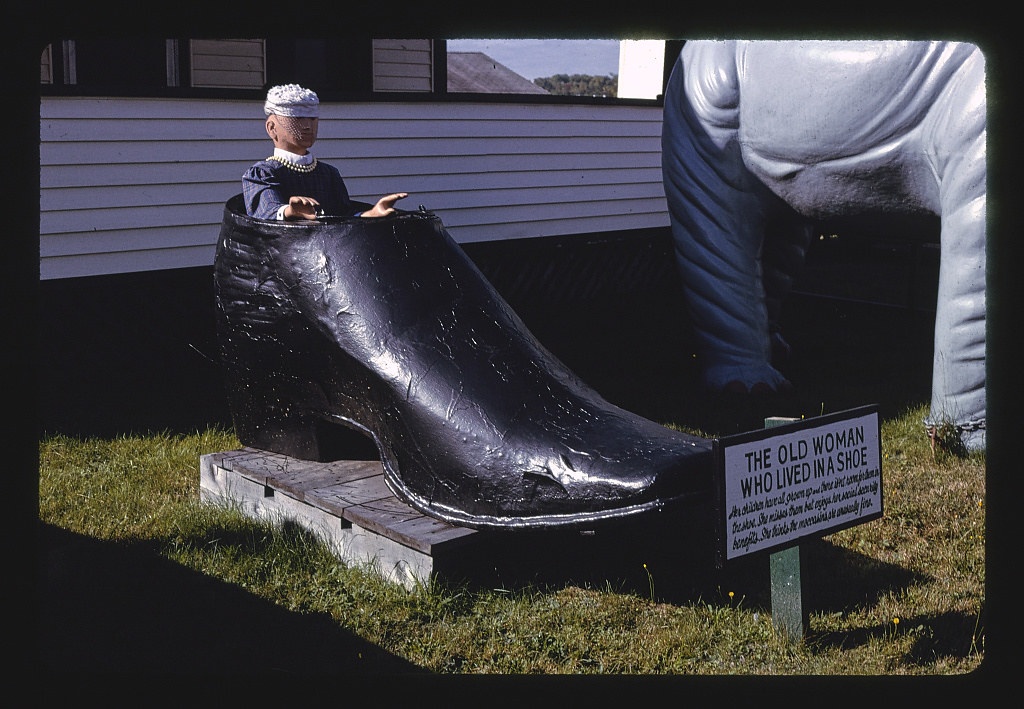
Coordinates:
808	478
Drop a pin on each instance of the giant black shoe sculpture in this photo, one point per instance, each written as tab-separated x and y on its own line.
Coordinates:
385	326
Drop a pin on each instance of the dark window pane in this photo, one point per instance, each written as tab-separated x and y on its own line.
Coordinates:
323	65
133	63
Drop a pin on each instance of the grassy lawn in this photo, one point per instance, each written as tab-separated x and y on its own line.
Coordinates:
137	575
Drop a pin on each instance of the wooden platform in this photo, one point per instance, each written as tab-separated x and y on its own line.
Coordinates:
345	502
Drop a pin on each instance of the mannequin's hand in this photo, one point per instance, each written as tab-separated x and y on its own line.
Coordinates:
301	208
385	205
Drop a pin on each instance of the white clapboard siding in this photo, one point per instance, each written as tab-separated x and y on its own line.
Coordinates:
137	184
403	65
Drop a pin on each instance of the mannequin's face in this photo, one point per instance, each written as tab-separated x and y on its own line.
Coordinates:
294	134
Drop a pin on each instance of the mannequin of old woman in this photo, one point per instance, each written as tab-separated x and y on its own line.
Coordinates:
292	184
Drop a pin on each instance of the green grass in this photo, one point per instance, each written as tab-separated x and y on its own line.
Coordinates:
902	595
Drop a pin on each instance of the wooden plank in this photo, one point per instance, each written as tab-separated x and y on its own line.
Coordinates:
212	175
400	83
394	519
102	107
404	45
458	174
431	188
466	226
523	204
439	164
582	201
244	125
66	168
339	498
56	244
190	110
227	64
66	207
228	459
494	147
352	543
102	223
501	131
166	141
76	198
377	526
252	459
406	70
254	463
228	47
119	196
77	266
312	482
227	79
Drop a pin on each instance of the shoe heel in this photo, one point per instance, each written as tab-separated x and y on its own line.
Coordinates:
259	424
295	432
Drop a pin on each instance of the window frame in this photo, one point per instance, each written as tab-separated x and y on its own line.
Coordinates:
178	69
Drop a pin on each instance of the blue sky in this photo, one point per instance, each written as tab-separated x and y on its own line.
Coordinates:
534	58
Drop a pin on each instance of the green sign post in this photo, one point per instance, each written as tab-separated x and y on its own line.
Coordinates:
789	614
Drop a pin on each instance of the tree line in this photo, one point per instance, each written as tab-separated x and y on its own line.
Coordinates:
580	85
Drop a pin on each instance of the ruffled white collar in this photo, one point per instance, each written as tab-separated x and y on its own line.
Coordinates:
306	159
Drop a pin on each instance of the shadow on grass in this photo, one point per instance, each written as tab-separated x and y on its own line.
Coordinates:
672	555
121	608
838	578
951	635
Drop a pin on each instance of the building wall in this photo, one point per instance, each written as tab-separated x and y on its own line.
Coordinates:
138	184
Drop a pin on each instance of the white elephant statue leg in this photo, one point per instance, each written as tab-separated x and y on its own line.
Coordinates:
955	134
719	214
817	130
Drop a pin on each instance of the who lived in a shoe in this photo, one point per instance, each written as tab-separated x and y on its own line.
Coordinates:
386	327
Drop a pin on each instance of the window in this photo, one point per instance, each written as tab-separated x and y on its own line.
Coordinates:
603	68
143	65
46	65
117	65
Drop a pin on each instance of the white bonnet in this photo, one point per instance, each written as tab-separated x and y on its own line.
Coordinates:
292	100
